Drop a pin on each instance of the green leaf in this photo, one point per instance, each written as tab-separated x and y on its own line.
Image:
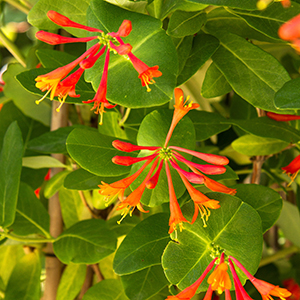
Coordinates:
265	127
9	257
31	216
75	10
235	228
109	289
72	207
29	128
204	46
207	124
83	180
150	43
125	226
185	23
71	282
39	162
51	142
10	166
86	242
145	283
94	151
55	183
24	100
220	18
288	96
24	282
266	201
269	20
245	4
183	46
252	73
289	222
255	145
153	131
143	245
214	84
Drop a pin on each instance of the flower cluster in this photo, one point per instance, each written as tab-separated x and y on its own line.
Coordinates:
219	281
290	31
169	156
59	83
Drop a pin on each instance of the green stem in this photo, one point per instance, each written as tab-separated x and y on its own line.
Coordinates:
24	8
12	48
26	240
280	254
125	117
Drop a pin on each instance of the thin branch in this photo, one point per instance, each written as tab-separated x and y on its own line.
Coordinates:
83	199
88	282
278	255
12	48
97	271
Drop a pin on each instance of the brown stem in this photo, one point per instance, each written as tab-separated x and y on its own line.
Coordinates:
97	271
88	282
257	165
92	211
53	264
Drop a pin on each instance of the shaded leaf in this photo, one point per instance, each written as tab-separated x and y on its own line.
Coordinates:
10	166
86	242
40	162
144	245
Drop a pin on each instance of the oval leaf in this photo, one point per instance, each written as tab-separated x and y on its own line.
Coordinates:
86	242
40	162
143	245
255	145
234	227
10	166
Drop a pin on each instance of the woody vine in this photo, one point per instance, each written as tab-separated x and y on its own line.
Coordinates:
149	150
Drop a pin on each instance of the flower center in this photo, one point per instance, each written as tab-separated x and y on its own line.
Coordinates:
165	153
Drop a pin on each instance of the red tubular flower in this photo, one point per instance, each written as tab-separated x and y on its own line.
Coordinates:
123	49
286	3
219	279
128	160
181	109
50	81
290	30
56	39
202	203
207	169
100	101
128	147
190	291
267	290
133	200
63	21
117	188
293	287
282	118
124	29
146	73
292	168
176	217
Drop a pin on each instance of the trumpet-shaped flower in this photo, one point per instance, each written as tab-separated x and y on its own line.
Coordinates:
146	73
292	168
53	82
282	118
163	156
267	290
190	291
290	30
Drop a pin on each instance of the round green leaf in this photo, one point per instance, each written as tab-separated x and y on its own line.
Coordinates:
86	242
94	151
153	131
109	289
288	96
150	44
235	228
266	201
143	246
256	145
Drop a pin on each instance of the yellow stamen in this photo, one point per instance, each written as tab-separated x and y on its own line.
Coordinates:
38	101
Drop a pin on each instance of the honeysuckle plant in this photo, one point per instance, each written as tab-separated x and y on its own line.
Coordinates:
149	150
